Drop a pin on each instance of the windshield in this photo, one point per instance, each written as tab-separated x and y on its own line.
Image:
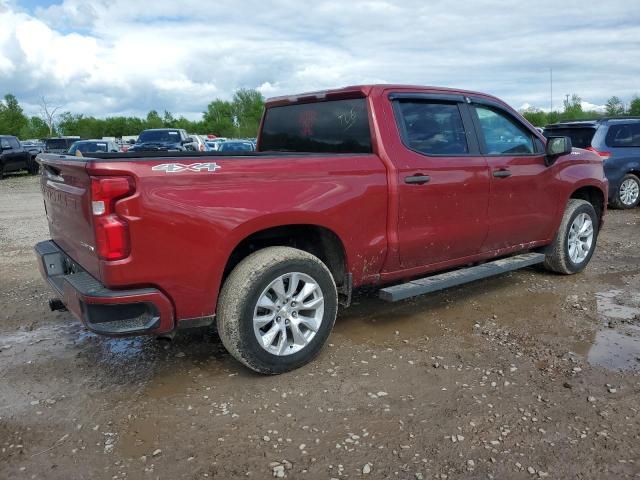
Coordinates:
88	147
168	136
236	147
580	136
336	126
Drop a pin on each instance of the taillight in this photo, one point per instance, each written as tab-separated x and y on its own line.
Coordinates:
112	232
604	155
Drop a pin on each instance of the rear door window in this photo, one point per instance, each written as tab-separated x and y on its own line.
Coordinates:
623	135
432	128
502	134
580	136
334	126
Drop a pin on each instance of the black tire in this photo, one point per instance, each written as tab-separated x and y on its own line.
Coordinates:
557	256
241	292
32	166
618	201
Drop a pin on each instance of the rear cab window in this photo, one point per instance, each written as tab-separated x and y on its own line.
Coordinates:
623	135
332	126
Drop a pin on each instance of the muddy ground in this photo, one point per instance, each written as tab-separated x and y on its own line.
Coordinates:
528	375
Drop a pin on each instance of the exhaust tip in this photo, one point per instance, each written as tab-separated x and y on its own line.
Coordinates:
166	337
55	304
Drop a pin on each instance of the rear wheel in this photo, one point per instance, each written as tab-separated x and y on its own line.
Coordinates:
277	309
628	195
575	241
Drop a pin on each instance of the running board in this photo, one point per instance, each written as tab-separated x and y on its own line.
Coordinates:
459	277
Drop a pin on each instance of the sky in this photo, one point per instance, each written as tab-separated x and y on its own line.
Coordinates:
126	57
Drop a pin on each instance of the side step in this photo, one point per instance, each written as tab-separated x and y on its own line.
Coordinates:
458	277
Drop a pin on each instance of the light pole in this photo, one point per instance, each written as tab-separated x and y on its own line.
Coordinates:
551	88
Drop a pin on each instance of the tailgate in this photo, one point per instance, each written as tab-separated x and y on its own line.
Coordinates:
66	188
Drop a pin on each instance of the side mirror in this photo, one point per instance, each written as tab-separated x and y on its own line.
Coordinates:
556	147
187	140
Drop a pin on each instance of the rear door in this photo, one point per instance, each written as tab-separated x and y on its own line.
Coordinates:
443	180
522	207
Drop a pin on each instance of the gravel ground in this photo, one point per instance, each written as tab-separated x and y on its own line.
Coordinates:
528	375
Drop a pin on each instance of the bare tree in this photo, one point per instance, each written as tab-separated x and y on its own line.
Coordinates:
48	113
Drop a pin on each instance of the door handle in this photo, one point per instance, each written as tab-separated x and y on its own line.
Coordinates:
417	179
504	173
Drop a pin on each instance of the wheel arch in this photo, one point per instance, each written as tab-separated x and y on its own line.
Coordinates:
594	195
315	239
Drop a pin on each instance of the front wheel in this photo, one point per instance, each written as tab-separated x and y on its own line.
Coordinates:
575	241
628	195
277	309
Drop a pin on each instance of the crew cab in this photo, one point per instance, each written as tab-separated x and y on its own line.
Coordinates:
410	188
14	157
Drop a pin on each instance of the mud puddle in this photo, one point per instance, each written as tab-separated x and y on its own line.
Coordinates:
617	345
508	300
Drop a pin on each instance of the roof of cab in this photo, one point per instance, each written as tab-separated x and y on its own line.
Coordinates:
355	91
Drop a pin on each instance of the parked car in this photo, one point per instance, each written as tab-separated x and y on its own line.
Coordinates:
163	139
267	247
14	157
83	147
200	144
59	144
617	141
236	146
34	148
214	144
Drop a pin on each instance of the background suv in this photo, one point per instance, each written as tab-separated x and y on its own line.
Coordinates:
617	141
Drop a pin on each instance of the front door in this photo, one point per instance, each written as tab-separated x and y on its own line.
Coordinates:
522	209
443	182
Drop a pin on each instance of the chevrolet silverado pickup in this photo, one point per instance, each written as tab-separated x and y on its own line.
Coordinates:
413	189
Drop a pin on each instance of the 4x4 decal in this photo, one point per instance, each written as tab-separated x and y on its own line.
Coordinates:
193	167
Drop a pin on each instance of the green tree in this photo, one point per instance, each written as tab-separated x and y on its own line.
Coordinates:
536	117
168	119
153	120
247	110
573	108
35	128
634	106
614	107
12	119
218	119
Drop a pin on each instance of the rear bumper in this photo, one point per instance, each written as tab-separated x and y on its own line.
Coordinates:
109	312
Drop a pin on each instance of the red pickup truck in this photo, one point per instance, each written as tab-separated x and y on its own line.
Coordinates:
358	186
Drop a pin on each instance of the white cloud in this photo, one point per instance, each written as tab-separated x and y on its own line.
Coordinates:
104	57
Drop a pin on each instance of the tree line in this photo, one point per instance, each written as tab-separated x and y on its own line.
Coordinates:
237	118
573	111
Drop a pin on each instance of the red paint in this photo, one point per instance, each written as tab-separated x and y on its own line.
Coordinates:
183	226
